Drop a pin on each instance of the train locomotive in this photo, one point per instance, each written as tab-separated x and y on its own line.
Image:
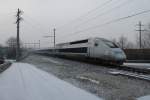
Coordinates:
93	48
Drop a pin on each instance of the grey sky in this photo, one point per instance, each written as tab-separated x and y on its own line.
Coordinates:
41	16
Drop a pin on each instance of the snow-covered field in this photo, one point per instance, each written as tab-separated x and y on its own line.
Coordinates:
23	81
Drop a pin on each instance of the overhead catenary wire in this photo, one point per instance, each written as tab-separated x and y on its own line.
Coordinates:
112	21
106	12
87	13
29	27
33	26
8	13
30	19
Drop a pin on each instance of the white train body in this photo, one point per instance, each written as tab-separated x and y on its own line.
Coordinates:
97	48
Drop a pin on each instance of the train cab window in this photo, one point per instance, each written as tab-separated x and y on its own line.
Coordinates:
96	44
111	44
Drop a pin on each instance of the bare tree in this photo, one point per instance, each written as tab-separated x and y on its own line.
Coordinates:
114	40
11	45
11	42
146	41
130	45
1	50
122	42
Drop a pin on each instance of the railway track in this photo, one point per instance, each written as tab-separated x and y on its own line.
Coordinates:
132	69
131	74
140	73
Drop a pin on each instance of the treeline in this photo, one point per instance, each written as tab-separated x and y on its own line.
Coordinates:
124	43
9	51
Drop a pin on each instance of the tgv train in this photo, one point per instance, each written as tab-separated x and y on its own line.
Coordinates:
95	48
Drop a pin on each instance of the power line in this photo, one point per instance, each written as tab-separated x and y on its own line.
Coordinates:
33	26
9	13
35	21
108	11
102	14
112	21
100	6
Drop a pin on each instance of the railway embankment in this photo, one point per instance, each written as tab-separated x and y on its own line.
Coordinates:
4	66
97	79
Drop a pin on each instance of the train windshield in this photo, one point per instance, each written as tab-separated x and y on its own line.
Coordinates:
111	44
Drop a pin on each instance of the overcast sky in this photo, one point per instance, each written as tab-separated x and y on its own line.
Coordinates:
41	16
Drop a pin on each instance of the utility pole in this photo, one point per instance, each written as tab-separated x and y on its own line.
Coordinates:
39	44
19	18
54	37
140	34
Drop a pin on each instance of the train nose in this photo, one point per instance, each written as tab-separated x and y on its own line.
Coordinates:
119	54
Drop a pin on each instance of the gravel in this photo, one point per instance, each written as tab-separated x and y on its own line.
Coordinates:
92	78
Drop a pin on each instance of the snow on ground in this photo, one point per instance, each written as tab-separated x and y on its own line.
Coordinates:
144	65
10	60
51	60
144	98
23	81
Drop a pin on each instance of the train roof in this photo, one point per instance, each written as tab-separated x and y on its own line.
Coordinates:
82	41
